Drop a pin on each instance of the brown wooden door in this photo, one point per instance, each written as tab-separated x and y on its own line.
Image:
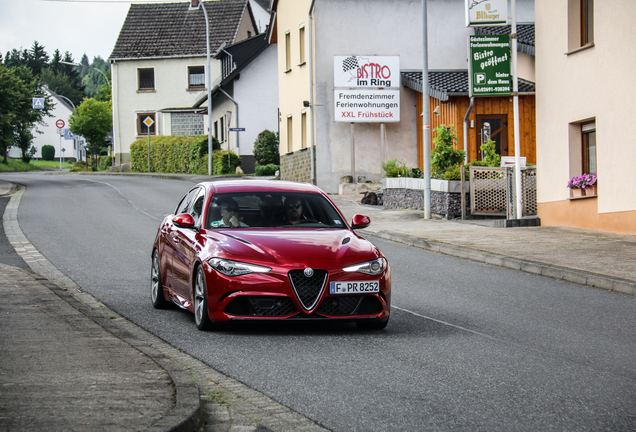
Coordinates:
495	127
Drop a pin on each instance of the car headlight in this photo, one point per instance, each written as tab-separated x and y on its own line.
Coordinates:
373	267
236	268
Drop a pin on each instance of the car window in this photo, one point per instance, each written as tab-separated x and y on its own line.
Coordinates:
196	210
184	204
273	209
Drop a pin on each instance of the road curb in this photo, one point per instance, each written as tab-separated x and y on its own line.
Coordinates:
186	415
582	277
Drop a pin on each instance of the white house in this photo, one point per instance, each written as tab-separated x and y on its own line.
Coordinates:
248	91
158	67
51	134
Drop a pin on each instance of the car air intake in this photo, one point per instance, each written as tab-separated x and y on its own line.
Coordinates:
308	287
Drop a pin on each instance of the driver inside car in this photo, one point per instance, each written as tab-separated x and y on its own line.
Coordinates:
293	210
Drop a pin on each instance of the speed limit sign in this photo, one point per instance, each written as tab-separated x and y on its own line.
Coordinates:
60	123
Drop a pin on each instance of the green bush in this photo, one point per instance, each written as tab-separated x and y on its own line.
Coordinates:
266	148
491	157
220	162
104	162
453	173
395	168
171	154
267	170
48	152
445	154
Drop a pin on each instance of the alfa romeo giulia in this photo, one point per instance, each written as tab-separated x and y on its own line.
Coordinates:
268	250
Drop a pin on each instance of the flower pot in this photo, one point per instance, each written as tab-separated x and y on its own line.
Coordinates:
590	190
576	192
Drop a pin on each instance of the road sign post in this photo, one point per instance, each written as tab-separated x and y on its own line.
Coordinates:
148	122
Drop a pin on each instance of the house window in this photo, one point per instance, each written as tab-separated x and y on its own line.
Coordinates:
303	129
287	51
587	22
580	25
222	130
196	77
142	128
290	134
301	43
146	79
216	130
588	132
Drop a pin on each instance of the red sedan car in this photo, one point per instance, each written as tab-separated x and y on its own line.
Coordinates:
268	250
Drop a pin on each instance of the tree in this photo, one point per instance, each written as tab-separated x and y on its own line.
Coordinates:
93	120
38	59
18	86
266	148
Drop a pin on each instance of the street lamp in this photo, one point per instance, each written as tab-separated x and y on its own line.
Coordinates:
108	82
89	67
194	5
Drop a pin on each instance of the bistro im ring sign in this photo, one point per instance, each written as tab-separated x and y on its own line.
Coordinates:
367	89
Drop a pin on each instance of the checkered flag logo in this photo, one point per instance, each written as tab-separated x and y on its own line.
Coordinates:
350	63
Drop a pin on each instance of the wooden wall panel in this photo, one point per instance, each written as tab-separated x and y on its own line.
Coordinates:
452	112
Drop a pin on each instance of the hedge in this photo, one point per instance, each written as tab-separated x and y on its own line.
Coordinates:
171	154
48	152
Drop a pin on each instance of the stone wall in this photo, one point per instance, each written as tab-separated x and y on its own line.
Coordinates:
296	166
446	204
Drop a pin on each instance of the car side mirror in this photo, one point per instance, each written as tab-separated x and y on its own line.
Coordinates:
183	220
360	221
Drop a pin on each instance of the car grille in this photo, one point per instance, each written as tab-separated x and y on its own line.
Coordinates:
308	289
261	307
350	305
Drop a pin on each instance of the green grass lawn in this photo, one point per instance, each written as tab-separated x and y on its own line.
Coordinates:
39	165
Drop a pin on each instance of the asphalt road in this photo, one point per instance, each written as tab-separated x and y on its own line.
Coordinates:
469	346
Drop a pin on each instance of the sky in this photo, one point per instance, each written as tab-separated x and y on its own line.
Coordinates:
80	27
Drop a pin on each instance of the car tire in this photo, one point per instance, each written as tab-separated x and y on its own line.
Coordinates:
156	285
372	324
201	316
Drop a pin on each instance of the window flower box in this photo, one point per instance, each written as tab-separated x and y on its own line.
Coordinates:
583	185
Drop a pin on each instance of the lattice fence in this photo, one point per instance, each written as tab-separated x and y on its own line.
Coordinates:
492	191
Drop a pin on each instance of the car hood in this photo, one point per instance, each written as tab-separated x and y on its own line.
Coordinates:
280	245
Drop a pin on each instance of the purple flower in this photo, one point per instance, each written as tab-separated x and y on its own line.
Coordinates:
583	181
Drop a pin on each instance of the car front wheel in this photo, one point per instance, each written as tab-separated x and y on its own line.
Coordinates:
201	317
156	286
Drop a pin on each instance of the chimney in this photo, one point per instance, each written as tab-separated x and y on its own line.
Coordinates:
194	4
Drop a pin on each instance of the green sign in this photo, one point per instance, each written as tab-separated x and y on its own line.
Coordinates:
489	66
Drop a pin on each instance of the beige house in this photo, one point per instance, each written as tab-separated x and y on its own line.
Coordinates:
585	68
158	69
314	35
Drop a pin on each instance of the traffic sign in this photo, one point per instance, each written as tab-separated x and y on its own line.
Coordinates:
60	123
38	103
236	129
68	134
148	121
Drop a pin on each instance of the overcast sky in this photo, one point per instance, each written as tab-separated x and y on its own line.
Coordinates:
81	27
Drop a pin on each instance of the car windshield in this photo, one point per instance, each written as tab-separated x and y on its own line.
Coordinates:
272	209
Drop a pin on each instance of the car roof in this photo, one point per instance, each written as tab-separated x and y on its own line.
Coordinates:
249	185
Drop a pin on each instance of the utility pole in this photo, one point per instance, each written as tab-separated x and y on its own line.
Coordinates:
426	133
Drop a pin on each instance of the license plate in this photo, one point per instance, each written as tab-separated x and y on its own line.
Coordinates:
354	287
